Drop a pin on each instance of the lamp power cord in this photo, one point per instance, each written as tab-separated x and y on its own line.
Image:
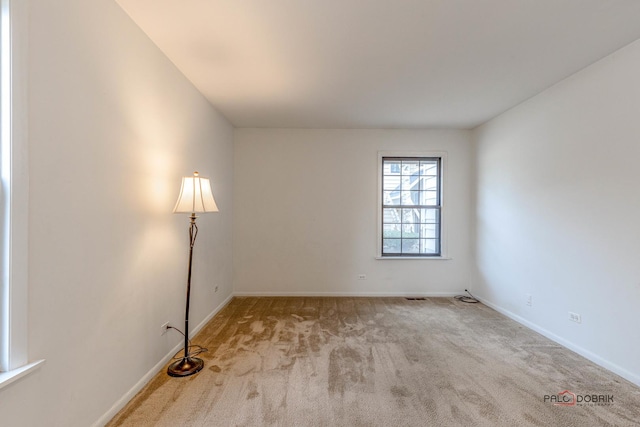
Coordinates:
197	349
468	299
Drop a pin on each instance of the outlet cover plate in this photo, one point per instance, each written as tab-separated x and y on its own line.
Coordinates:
163	328
575	317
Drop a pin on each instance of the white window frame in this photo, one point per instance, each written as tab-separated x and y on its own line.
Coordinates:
444	217
14	188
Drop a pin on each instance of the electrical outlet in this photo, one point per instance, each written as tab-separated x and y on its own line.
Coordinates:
164	328
575	317
362	277
529	300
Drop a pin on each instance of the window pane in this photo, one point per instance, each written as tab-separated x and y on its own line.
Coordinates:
420	215
429	215
410	246
428	198
428	183
390	197
391	182
429	231
410	198
429	167
410	182
410	167
410	231
410	215
391	231
391	216
391	167
429	246
391	246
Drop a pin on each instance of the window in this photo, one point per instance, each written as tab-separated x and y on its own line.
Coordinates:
14	201
5	196
410	194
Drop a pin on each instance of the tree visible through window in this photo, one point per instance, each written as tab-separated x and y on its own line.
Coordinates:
411	206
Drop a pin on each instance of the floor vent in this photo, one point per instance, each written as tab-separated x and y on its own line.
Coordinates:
416	299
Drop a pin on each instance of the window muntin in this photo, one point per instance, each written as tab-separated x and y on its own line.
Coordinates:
411	206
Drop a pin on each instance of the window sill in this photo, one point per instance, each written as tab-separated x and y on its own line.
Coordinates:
7	378
422	258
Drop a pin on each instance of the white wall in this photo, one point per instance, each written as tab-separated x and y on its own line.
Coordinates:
305	204
558	208
113	125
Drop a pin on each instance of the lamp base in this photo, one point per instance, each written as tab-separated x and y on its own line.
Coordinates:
185	367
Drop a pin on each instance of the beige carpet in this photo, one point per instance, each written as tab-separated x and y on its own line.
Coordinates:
378	362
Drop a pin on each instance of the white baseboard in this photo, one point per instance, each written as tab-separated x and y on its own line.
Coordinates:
345	294
104	419
630	376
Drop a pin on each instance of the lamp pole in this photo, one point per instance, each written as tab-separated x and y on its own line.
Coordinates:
193	232
187	365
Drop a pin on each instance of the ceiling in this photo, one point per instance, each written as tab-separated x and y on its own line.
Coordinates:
380	63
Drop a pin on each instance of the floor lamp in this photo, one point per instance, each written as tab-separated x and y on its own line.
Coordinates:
195	197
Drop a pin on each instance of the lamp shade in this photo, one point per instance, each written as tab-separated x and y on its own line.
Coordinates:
195	196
